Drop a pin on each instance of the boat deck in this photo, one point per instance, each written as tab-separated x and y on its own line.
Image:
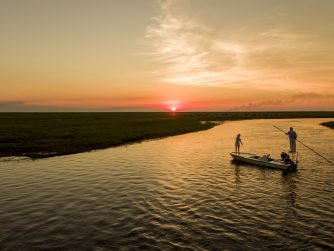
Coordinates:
264	160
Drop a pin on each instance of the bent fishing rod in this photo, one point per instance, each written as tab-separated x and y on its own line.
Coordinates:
307	146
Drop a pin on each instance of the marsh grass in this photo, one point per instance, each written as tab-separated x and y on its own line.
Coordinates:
39	135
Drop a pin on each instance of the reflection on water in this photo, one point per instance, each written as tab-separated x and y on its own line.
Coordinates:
289	186
181	192
237	175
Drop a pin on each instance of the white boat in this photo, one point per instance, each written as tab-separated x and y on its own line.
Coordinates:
265	161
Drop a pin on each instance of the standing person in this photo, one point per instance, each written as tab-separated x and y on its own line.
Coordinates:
237	143
292	138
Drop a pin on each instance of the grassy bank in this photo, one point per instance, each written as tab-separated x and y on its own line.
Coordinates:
329	124
39	135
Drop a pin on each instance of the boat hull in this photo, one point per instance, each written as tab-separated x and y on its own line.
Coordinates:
254	159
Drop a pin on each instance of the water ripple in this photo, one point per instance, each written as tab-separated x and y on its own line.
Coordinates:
176	193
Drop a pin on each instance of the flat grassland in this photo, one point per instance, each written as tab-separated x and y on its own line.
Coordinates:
329	124
40	135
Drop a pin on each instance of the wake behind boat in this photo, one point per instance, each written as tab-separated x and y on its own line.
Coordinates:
285	163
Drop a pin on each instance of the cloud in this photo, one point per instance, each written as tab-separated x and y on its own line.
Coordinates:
188	52
22	106
80	104
301	101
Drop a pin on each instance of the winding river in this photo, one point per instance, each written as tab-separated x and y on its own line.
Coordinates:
180	192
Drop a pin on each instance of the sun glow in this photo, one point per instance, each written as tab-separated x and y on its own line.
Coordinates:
173	109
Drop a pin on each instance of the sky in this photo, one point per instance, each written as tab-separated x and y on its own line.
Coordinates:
155	55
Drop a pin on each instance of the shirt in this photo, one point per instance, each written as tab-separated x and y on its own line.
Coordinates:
292	135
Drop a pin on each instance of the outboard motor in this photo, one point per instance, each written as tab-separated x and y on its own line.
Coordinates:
286	158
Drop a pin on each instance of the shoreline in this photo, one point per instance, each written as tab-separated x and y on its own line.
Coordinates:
329	124
124	143
44	135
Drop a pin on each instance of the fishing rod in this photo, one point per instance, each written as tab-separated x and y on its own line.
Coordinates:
307	146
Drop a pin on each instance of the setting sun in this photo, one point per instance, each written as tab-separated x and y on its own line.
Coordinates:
166	124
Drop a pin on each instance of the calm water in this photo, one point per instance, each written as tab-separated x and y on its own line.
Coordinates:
180	192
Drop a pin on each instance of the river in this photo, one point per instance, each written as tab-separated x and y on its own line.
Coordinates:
180	192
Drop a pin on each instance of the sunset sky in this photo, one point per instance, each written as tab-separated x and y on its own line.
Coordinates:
149	55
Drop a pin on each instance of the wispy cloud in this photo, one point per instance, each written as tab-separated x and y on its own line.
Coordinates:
188	51
306	101
22	106
77	105
191	53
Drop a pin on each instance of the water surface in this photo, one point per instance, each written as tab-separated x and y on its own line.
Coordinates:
180	192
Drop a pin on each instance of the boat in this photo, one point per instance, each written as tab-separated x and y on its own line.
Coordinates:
284	164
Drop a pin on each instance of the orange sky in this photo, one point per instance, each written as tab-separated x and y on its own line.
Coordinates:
149	55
